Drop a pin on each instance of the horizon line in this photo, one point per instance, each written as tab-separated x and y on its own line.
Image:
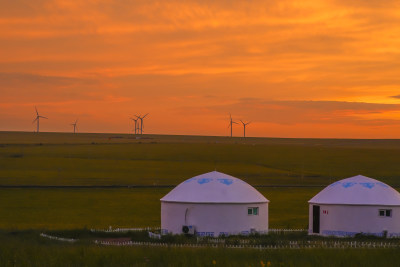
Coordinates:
195	135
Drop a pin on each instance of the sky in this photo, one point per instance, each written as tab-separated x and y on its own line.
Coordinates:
324	69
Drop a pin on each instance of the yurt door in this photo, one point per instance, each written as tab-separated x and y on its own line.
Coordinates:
316	210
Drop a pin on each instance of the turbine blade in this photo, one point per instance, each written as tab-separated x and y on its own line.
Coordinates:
43	117
37	113
34	120
145	115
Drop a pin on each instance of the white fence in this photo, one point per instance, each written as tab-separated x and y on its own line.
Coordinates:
154	236
124	230
289	245
59	238
211	242
285	230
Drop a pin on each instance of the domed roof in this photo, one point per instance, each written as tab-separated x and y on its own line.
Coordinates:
214	187
358	190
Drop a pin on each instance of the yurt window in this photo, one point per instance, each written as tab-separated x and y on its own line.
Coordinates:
385	213
252	211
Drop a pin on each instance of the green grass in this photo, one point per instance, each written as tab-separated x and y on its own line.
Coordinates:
79	208
28	249
65	159
288	207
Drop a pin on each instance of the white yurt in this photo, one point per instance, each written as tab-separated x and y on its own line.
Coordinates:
214	204
355	205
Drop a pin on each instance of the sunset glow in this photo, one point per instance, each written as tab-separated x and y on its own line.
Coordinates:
294	69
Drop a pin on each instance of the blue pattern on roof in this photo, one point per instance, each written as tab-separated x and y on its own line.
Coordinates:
368	185
204	180
348	184
189	180
225	181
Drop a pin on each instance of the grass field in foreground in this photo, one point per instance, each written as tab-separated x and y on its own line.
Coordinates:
101	208
107	159
28	249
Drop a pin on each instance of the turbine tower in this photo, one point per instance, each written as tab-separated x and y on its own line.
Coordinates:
141	122
136	122
37	119
74	124
244	127
231	122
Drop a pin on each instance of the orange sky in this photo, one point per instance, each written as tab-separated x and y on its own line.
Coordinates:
293	68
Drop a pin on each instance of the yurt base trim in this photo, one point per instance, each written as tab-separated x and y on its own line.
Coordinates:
345	204
186	202
352	234
213	234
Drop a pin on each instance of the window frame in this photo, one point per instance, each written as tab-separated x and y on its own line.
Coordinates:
249	211
385	213
253	211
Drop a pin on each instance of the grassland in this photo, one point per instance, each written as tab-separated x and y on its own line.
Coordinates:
48	159
60	159
104	159
27	249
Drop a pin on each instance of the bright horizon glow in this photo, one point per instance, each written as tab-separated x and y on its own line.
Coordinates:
317	69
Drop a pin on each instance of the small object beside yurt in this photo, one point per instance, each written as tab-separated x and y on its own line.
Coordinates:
214	204
356	205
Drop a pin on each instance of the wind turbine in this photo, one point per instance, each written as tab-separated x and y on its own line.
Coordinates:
136	121
141	122
74	124
231	122
244	127
37	119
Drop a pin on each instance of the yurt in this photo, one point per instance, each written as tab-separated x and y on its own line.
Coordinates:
355	205
214	204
